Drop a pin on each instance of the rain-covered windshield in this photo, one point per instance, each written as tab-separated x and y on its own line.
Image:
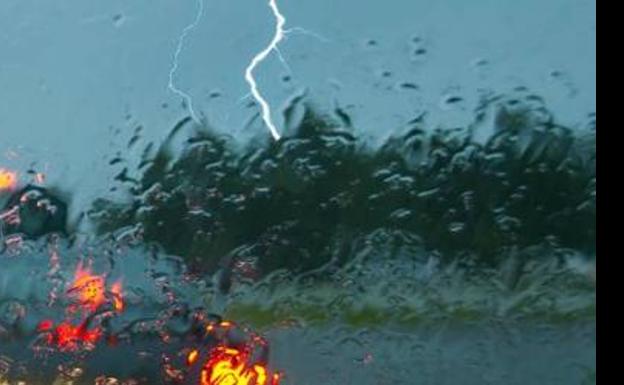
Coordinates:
297	192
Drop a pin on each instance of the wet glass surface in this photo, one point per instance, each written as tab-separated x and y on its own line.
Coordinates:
261	192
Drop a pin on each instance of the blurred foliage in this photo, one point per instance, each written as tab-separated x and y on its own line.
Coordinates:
304	203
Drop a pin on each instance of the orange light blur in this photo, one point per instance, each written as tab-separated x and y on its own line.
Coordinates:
228	366
8	179
88	288
90	292
192	357
67	337
118	303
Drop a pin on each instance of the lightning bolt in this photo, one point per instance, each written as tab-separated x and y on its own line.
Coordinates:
280	34
259	58
174	65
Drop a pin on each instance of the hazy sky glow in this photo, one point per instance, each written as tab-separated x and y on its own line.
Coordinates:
74	72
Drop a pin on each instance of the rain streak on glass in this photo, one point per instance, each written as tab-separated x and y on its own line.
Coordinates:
424	217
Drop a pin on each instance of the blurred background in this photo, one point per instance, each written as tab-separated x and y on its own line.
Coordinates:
427	218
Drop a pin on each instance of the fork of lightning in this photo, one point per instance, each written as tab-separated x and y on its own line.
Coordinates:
278	36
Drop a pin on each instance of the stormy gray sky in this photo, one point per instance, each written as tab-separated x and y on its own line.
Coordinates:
77	77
